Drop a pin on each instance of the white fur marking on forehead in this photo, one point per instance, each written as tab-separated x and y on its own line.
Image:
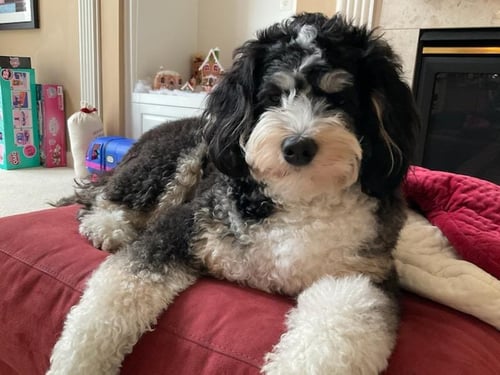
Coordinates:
307	36
284	80
299	112
335	81
306	39
315	58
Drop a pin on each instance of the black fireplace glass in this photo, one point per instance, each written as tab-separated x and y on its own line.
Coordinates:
457	91
463	126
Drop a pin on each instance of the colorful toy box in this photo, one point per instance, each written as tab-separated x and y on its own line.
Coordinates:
14	62
52	121
104	153
19	139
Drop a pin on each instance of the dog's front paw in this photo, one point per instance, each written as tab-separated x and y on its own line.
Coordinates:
340	326
107	230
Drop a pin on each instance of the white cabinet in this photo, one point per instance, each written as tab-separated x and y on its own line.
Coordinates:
150	110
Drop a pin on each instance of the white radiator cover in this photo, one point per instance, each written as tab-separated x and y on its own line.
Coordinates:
90	59
361	12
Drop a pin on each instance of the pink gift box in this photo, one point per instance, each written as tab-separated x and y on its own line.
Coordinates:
52	125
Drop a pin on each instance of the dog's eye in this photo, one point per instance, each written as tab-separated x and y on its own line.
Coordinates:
275	99
270	96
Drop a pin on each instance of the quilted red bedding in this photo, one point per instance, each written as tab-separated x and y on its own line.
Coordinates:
466	209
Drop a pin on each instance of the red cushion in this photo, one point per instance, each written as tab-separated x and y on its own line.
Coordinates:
466	210
212	328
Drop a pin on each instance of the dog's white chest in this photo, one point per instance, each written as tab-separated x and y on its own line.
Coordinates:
294	247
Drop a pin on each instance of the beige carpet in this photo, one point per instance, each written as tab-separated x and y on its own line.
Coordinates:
30	189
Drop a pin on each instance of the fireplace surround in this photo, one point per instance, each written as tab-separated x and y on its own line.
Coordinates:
457	90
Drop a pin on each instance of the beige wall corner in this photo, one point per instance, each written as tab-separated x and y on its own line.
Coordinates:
53	48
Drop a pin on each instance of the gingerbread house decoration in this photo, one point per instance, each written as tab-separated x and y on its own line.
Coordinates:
211	70
167	79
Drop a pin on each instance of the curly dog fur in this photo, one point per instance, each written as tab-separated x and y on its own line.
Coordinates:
289	183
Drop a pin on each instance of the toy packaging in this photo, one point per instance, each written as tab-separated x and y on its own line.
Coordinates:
52	122
19	139
104	153
15	62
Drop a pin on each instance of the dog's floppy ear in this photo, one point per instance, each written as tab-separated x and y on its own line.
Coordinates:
229	112
391	121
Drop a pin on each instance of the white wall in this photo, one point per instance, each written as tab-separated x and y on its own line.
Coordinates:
165	34
228	23
169	32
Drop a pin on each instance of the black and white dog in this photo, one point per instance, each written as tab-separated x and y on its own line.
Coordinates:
289	183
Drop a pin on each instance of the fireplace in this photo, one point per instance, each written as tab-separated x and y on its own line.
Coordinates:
457	89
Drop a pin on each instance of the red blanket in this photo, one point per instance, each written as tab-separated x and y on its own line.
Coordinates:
466	209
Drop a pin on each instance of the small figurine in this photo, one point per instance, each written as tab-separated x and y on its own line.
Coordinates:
195	69
167	79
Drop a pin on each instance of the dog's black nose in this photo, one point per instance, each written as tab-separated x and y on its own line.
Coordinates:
299	150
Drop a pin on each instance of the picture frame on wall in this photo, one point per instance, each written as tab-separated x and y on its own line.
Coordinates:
18	14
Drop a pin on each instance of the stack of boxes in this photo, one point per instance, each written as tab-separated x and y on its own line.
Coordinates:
32	119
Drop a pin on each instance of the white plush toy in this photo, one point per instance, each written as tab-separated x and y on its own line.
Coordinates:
83	126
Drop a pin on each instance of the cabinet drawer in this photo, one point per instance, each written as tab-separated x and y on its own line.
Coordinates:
147	116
